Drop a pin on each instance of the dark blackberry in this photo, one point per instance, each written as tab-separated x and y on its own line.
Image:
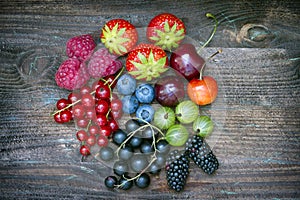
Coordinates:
200	152
177	170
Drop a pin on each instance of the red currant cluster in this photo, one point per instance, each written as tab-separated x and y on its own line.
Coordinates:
95	110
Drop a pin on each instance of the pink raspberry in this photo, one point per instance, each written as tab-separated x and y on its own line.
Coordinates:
71	74
103	63
80	47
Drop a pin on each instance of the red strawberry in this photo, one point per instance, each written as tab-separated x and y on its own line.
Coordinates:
166	30
119	36
80	47
146	62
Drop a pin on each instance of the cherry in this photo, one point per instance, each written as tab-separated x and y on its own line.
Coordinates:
102	92
116	105
102	141
101	119
65	115
78	111
105	130
82	123
62	103
57	118
91	140
88	100
102	107
82	135
85	150
85	90
73	97
113	124
93	130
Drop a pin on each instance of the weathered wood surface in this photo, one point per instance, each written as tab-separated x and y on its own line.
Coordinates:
257	112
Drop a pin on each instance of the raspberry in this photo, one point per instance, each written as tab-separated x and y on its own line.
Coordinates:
199	151
80	47
102	64
71	74
177	170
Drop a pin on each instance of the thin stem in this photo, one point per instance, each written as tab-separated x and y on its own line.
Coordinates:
204	64
209	15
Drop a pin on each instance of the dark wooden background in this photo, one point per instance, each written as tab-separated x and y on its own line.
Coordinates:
257	135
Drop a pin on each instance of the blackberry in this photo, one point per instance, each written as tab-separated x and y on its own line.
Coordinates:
199	151
177	170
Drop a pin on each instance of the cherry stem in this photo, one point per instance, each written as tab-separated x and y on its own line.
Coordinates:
209	15
204	64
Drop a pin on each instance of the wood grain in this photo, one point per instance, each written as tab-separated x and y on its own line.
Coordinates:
257	113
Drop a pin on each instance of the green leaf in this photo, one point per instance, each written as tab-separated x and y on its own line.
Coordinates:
173	29
154	38
115	29
151	58
166	26
121	32
142	58
162	61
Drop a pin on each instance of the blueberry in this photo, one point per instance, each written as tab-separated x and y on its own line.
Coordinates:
144	93
111	181
120	168
106	153
119	137
125	153
142	181
145	112
138	162
124	183
126	84
130	104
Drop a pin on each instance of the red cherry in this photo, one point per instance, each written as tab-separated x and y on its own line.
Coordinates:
82	123
82	135
102	141
116	105
101	119
65	115
85	90
102	107
203	91
73	97
88	100
113	124
91	140
62	103
78	111
94	130
105	130
57	118
102	92
85	150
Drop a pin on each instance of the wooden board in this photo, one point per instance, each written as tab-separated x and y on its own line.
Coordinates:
257	111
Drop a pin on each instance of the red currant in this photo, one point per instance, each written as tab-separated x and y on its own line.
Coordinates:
102	107
85	90
85	150
82	123
87	100
94	130
102	92
110	80
62	103
57	118
91	140
105	130
116	105
73	97
96	84
90	113
113	124
102	141
101	119
65	115
78	111
82	135
117	114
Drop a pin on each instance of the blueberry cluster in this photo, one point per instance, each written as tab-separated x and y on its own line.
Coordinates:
139	154
136	98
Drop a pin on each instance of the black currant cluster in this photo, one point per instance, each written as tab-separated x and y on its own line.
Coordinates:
139	153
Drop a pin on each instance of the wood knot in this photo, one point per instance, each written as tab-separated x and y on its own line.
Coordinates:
255	35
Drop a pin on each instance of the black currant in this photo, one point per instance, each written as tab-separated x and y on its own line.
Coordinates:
135	142
120	168
142	181
160	159
106	153
131	125
111	181
148	132
119	137
138	162
125	183
154	168
146	147
126	152
163	146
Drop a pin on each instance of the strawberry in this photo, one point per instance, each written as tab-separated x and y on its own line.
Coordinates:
119	36
166	30
146	62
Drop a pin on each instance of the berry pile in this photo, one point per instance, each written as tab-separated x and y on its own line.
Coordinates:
154	136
